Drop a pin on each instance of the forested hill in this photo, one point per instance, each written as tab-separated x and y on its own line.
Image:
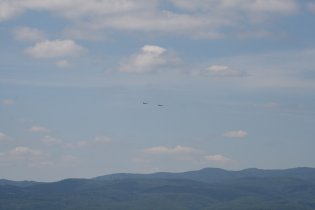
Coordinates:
250	189
212	175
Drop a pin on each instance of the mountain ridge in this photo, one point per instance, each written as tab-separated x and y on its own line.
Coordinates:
209	188
217	174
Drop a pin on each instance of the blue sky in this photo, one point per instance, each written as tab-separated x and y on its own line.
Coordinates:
236	80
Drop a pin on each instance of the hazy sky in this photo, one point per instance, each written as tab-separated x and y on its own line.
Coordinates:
236	78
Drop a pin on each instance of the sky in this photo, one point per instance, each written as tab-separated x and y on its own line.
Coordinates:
89	88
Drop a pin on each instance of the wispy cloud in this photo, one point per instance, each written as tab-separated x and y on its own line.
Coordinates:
170	150
266	70
311	7
148	59
102	140
55	48
63	64
7	102
8	10
217	158
39	129
37	158
220	71
202	18
50	140
249	6
24	152
179	154
3	137
235	134
97	141
28	34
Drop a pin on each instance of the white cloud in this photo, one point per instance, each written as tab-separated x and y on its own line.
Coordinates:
271	6
37	158
167	22
55	48
224	71
83	144
235	134
24	152
97	141
28	34
8	10
63	64
39	129
169	150
200	18
59	161
265	70
311	7
150	58
217	158
78	144
79	8
7	102
180	154
75	9
204	18
51	140
102	140
3	137
152	49
247	6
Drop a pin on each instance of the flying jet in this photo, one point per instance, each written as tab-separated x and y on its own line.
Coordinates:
160	105
144	103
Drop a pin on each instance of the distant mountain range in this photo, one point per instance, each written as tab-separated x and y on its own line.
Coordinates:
209	188
212	175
